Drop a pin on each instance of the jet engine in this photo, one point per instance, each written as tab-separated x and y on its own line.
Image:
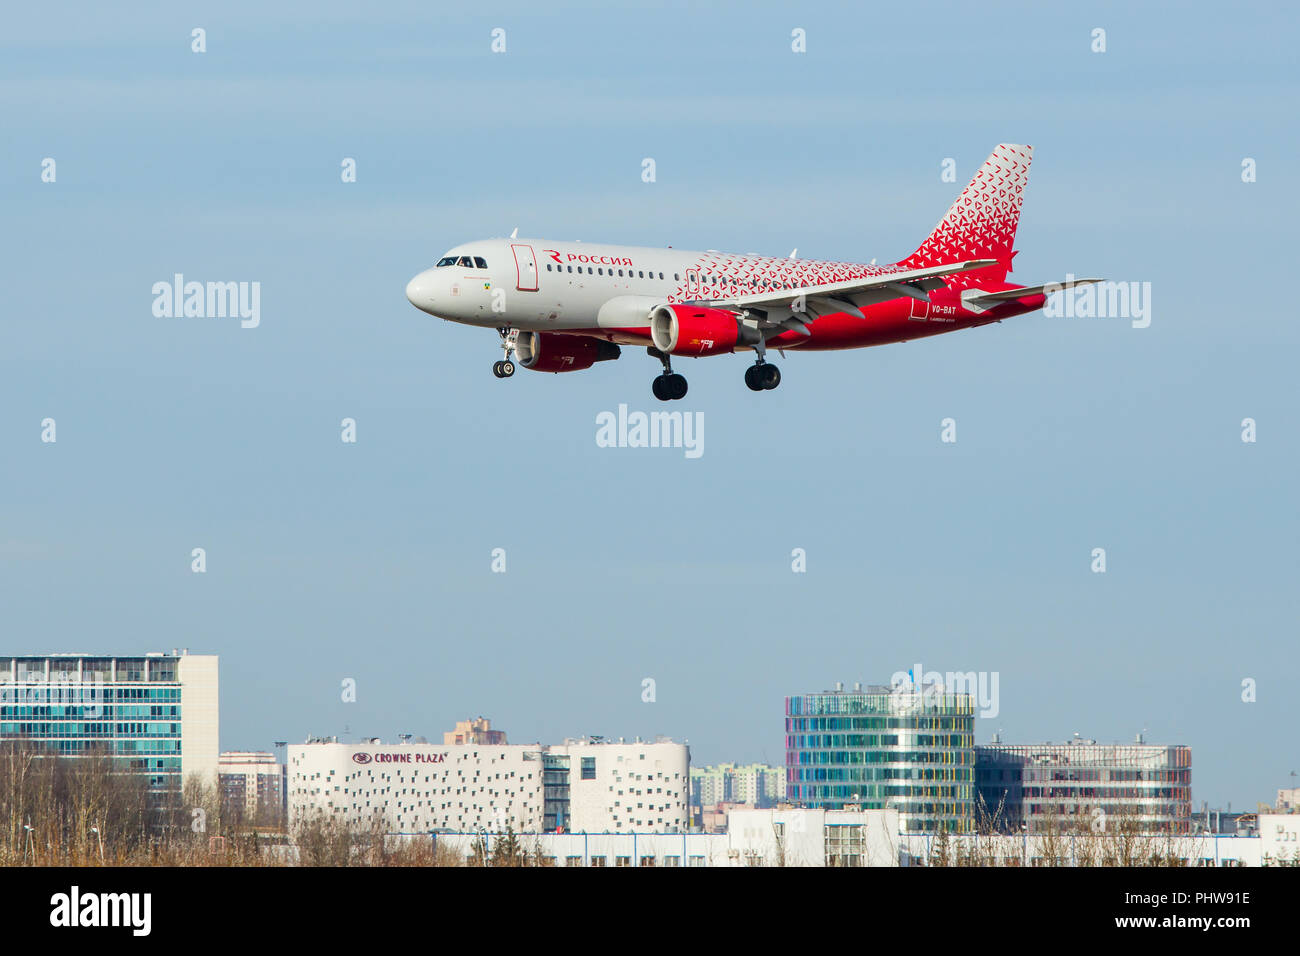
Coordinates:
693	330
557	352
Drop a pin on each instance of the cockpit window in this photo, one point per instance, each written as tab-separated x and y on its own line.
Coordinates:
466	262
446	261
480	262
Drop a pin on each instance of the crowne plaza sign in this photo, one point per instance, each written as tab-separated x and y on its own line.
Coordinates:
362	756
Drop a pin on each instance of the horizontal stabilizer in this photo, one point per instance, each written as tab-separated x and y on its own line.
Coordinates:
977	300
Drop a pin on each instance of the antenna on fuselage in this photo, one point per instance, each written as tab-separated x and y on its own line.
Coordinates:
515	233
794	253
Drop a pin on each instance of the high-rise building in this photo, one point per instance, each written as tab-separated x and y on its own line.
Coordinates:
477	731
254	787
155	715
884	748
588	785
755	785
1037	787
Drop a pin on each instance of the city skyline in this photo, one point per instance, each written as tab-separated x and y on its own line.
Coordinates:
374	561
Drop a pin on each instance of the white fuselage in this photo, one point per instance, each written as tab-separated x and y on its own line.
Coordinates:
536	284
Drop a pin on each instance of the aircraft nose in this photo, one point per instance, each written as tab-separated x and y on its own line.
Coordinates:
419	291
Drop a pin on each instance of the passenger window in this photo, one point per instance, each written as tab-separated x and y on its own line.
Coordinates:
620	273
641	274
676	277
661	275
548	267
570	268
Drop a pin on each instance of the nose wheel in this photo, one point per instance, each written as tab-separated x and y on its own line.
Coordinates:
669	386
761	376
505	368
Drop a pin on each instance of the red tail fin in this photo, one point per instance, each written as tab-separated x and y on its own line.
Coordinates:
982	222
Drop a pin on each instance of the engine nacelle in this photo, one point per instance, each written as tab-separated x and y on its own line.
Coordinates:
693	330
557	352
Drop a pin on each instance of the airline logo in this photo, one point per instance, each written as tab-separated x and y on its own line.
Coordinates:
586	259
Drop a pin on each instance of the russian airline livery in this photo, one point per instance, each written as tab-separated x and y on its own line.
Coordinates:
564	306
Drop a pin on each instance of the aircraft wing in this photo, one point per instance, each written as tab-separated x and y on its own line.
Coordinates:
909	282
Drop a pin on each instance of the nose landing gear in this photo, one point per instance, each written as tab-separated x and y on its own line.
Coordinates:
506	368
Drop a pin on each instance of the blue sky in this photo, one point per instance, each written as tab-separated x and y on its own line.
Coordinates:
372	561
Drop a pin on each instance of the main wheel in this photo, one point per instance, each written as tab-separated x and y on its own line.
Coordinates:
752	378
657	386
496	369
508	369
771	376
676	386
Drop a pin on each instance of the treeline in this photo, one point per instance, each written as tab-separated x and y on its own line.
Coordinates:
92	810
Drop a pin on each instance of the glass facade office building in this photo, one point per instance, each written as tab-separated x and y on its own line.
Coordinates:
156	715
1041	787
876	749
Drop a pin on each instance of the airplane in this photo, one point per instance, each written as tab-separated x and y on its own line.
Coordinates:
564	306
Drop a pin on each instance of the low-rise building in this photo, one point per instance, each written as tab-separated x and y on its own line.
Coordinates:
584	784
1082	784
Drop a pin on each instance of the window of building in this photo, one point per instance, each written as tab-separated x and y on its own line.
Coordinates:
588	768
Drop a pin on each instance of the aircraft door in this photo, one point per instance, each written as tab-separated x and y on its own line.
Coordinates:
525	268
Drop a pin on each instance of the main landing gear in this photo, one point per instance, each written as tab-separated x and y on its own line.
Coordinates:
669	386
761	375
506	368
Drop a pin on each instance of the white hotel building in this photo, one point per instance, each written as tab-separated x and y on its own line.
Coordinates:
583	786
